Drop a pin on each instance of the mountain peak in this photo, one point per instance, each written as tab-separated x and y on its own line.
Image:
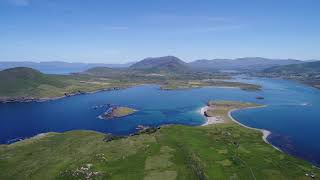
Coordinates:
159	64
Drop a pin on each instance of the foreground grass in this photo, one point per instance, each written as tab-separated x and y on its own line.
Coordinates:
177	152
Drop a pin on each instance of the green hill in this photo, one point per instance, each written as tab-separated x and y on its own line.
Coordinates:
24	84
21	81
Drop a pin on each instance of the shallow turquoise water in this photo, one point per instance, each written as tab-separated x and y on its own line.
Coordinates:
292	113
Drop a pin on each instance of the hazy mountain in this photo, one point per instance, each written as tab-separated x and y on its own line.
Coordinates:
307	67
104	71
58	67
161	64
158	64
240	64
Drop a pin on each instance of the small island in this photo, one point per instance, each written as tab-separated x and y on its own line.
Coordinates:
117	112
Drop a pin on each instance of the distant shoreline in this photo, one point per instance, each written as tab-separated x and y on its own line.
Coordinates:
28	100
4	100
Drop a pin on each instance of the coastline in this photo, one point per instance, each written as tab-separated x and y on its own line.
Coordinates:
265	133
209	120
26	99
31	99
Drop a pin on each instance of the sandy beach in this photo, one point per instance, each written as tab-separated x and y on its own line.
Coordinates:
210	120
216	120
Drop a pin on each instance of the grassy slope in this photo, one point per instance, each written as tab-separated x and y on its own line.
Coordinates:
224	151
27	82
18	81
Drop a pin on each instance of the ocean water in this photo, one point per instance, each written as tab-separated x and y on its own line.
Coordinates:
292	113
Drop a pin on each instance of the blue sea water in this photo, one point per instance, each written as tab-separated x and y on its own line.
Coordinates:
292	113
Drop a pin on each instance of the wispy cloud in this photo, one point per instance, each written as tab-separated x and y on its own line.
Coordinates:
20	2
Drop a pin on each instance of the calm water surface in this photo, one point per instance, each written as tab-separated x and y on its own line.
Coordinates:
292	114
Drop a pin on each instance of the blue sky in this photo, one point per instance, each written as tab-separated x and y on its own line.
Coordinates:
118	31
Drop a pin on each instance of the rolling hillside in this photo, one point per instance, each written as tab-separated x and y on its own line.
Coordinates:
22	80
25	84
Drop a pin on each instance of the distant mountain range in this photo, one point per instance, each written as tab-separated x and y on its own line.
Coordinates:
161	64
59	67
307	72
241	64
307	67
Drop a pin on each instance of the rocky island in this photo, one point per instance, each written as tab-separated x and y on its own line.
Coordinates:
117	112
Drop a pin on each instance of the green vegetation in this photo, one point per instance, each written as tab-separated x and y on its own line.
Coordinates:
174	85
221	151
19	83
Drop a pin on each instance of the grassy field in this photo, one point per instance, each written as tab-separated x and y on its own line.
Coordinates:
223	151
174	85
